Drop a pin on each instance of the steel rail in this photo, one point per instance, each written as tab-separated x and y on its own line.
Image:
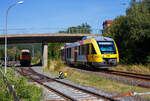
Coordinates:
130	73
126	74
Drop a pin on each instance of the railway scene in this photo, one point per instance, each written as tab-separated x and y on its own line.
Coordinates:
79	50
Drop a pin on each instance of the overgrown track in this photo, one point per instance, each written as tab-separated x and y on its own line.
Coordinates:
67	91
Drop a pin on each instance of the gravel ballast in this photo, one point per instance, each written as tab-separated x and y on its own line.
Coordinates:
100	92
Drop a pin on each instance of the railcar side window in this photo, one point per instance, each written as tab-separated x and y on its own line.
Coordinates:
69	52
93	50
82	50
65	52
79	50
87	49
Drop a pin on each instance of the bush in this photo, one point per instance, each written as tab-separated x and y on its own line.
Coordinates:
24	91
59	65
148	59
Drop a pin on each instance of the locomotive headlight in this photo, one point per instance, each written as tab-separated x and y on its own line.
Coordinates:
111	56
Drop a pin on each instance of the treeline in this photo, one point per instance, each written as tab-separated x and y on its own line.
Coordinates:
83	28
132	33
14	50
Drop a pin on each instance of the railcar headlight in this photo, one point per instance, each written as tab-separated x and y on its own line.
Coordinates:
95	56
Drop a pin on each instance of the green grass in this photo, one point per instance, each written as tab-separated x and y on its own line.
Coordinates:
25	91
35	61
95	81
142	69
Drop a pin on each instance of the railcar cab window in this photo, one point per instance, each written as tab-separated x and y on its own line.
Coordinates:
25	53
79	50
85	49
93	50
107	47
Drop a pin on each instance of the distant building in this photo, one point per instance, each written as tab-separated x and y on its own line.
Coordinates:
106	25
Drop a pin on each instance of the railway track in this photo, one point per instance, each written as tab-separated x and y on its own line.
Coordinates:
143	77
130	75
134	76
134	79
63	90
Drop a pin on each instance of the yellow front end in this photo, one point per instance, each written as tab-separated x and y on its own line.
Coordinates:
102	60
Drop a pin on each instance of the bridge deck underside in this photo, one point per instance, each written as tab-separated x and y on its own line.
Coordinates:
40	38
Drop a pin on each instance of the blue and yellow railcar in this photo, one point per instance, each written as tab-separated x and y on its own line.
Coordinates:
98	51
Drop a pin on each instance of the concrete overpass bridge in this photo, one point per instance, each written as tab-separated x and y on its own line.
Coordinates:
44	39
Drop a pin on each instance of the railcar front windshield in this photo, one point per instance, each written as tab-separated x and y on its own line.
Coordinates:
107	47
25	53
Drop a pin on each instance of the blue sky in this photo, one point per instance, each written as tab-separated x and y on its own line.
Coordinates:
50	16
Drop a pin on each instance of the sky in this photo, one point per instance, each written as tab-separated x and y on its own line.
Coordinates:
50	16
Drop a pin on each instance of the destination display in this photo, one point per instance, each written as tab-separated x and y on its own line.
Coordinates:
105	43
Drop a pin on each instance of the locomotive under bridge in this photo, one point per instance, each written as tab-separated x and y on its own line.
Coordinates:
44	39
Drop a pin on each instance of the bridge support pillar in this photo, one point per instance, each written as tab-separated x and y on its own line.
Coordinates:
45	54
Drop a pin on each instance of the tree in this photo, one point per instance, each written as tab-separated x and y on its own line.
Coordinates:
83	28
131	33
54	50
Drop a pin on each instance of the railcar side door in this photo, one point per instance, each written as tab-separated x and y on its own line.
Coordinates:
75	54
90	58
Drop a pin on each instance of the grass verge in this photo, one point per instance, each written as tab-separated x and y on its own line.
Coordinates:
93	80
25	91
141	69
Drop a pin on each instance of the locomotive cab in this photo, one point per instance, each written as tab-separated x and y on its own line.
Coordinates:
108	54
25	58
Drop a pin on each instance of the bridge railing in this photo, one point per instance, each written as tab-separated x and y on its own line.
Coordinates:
49	30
